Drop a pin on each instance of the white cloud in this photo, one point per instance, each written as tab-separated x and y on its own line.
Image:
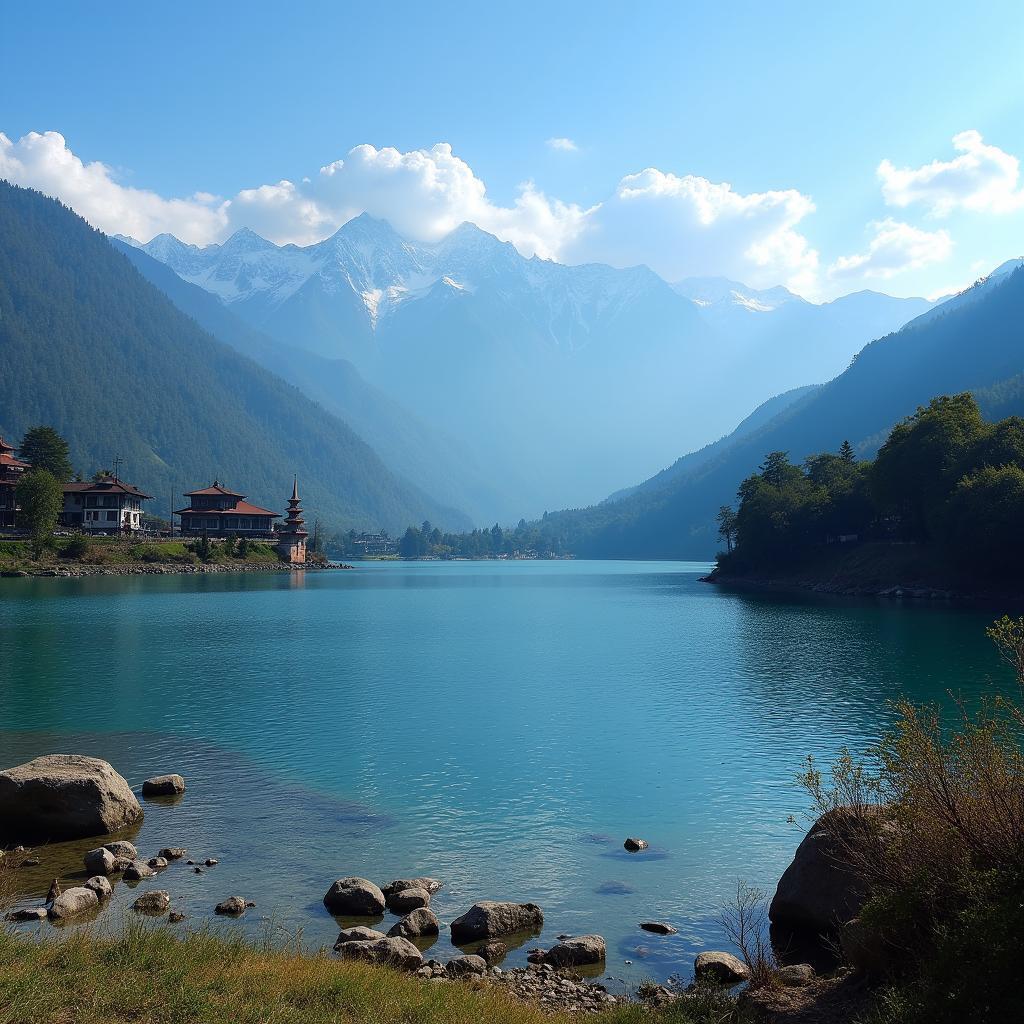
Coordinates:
679	226
982	178
690	226
894	248
563	144
44	162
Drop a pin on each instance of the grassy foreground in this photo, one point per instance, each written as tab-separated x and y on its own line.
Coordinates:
149	976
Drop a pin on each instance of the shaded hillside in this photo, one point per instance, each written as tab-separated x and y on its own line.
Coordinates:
976	346
408	446
92	348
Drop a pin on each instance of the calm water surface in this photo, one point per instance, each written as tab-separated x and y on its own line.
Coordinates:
502	726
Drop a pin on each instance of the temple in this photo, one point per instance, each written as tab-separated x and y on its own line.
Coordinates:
291	538
215	511
10	472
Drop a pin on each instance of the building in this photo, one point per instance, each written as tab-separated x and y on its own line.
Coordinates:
107	505
10	472
215	511
370	544
291	538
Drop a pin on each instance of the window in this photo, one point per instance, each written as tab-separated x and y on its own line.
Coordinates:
111	517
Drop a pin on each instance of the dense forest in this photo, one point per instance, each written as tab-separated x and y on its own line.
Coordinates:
93	349
943	479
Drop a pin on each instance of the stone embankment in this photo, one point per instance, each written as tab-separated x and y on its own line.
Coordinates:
165	569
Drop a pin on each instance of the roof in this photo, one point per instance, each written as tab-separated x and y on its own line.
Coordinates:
4	446
215	488
241	508
105	486
10	460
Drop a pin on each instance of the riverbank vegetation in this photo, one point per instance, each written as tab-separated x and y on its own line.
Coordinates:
944	481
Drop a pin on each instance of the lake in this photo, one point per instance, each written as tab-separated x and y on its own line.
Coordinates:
503	726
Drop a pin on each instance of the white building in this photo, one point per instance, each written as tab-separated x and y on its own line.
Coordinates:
103	506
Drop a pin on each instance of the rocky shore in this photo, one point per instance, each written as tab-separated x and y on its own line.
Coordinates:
166	568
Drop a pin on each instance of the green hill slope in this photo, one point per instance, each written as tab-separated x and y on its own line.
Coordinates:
89	346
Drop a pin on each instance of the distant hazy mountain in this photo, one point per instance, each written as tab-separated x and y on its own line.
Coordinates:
92	348
565	382
973	343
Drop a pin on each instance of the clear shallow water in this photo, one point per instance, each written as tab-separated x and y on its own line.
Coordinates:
502	726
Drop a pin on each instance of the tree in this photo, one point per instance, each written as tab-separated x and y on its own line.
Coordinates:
726	520
846	453
41	499
43	448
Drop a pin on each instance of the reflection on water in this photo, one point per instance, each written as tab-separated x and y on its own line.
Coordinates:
502	726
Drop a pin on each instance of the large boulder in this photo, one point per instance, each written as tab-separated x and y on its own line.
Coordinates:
578	951
405	900
354	897
391	951
722	968
491	920
421	921
72	902
820	890
163	785
64	796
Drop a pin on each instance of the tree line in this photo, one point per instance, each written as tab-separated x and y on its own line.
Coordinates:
944	478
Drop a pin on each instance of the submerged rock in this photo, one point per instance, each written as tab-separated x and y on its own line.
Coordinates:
27	914
391	951
489	919
64	796
658	927
723	968
153	903
172	852
577	952
233	906
354	897
163	785
421	921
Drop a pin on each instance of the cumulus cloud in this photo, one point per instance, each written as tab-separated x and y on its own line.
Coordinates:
44	162
982	178
894	247
679	226
690	226
563	144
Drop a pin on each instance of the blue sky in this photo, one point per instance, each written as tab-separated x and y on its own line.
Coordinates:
795	106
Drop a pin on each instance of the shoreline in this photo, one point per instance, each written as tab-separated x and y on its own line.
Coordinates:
160	569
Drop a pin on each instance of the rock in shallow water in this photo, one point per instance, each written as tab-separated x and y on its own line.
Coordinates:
100	861
27	914
153	903
658	927
233	906
138	870
431	885
419	922
404	900
163	785
64	796
122	848
634	845
359	934
489	919
578	951
101	886
72	902
723	968
355	897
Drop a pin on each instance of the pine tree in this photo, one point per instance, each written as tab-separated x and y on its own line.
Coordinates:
846	452
43	448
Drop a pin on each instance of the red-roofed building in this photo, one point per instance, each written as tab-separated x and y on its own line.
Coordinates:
10	472
107	505
217	512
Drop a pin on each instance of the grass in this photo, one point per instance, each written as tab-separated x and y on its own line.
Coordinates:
149	976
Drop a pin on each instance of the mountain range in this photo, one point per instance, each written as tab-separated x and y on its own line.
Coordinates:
93	349
560	384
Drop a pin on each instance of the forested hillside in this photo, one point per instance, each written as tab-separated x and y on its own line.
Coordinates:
977	346
93	349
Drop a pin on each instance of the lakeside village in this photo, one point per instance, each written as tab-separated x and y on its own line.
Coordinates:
76	519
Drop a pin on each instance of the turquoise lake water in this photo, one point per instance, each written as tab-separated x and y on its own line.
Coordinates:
502	726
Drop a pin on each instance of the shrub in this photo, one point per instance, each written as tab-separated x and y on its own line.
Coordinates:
77	547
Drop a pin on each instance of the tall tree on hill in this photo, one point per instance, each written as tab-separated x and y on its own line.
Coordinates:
40	497
43	448
846	452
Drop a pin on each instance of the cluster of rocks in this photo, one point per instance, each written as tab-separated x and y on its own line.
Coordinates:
162	568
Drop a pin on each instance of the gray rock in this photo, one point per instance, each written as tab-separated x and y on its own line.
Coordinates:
100	861
491	920
389	951
407	899
795	975
658	927
211	862
137	870
421	921
634	845
72	902
819	891
122	848
172	852
354	897
493	952
461	966
358	934
722	968
577	952
163	785
431	885
231	907
27	914
156	902
175	916
100	885
157	863
64	796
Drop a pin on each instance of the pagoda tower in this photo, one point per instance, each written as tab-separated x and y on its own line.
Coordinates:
291	538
